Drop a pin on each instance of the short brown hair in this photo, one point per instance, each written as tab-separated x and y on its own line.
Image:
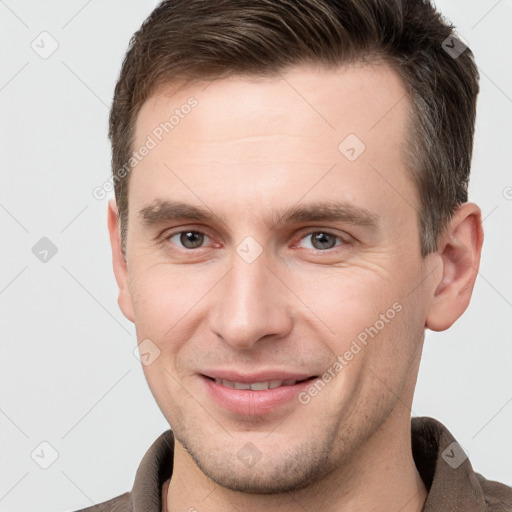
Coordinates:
191	40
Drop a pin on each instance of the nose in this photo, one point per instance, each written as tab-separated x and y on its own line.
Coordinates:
250	303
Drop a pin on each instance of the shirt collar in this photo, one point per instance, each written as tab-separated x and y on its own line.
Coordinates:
442	464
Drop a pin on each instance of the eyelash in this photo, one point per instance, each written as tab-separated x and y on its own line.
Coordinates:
167	238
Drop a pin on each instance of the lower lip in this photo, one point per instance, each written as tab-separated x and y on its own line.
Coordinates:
247	402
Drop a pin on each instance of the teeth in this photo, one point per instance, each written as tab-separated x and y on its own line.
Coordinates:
256	386
259	386
228	383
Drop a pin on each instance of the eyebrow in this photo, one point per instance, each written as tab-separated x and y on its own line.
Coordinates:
162	211
331	211
159	212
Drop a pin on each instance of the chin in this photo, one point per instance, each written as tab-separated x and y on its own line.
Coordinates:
287	471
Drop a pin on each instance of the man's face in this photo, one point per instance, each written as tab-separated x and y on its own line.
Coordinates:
305	250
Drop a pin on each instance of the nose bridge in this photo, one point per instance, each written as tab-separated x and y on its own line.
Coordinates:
249	304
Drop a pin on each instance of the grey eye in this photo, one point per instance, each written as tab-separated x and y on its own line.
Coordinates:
189	239
320	240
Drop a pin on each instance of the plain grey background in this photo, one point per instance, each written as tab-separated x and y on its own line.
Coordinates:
68	376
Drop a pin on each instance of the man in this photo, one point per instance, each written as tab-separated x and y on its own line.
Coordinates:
291	214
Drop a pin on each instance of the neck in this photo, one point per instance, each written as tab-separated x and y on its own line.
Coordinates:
380	475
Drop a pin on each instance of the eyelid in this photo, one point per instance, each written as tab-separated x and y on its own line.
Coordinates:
345	238
169	233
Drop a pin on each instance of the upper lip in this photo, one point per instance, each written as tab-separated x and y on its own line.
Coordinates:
263	376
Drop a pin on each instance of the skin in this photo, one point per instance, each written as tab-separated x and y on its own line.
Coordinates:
250	149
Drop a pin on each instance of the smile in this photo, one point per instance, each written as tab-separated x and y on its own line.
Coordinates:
257	386
254	395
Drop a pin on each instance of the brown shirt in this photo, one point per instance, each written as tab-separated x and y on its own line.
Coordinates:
451	483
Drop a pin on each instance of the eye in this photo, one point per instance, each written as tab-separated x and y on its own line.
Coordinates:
320	240
188	239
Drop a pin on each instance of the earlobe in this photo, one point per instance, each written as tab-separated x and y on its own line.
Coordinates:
119	262
459	252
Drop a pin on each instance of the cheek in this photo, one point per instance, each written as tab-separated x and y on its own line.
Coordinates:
163	296
349	300
171	304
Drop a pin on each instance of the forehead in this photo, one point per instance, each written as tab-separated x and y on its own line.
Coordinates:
270	140
353	97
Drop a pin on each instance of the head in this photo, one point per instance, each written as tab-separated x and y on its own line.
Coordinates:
304	215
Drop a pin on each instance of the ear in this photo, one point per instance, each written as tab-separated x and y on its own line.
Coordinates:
119	262
458	252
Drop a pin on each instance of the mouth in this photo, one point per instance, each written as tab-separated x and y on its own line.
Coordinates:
258	386
255	395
